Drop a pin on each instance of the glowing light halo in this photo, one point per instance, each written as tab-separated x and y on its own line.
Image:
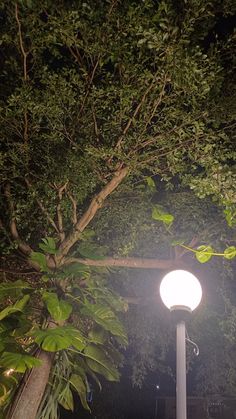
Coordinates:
180	289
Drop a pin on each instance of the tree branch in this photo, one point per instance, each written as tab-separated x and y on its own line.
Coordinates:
96	130
89	85
60	190
156	104
94	206
43	209
25	55
74	208
23	247
137	109
129	262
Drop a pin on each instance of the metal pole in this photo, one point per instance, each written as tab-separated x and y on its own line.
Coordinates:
155	417
181	410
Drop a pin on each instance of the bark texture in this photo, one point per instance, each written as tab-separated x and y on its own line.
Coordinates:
130	262
31	390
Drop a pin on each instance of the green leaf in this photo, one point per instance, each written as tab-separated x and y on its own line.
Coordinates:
13	289
230	252
159	214
230	216
91	251
53	340
87	234
77	269
18	306
115	355
100	363
98	335
106	318
66	398
60	310
40	259
204	253
151	183
18	362
167	218
79	385
48	245
82	369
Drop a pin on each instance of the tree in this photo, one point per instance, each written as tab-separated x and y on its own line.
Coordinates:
97	97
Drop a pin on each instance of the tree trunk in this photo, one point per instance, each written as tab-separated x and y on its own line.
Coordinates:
30	393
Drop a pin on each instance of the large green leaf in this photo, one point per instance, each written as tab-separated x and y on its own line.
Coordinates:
17	324
105	317
81	388
113	300
60	310
100	363
204	253
91	251
66	398
52	340
7	384
40	259
13	289
59	338
77	269
98	335
18	362
18	306
82	369
230	252
48	245
115	355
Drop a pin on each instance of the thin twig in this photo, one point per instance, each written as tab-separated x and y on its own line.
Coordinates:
60	191
74	208
131	119
156	104
96	130
89	85
43	209
24	53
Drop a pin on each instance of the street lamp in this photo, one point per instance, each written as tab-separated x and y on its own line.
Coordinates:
181	292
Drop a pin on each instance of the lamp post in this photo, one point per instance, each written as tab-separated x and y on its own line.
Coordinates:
181	292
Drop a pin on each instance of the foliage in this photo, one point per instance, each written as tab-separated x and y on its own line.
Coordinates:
103	103
87	346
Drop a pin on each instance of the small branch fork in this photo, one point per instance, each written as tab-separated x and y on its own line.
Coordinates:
58	226
89	214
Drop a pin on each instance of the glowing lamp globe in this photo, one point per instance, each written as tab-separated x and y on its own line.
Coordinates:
180	290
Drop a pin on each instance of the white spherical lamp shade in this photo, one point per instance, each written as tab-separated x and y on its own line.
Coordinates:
180	290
